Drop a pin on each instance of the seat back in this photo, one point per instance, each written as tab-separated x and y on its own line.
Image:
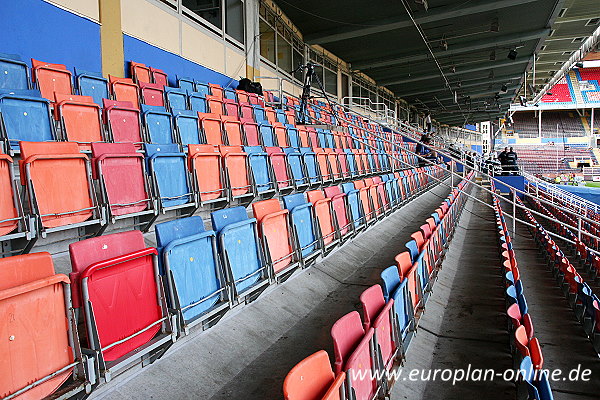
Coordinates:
152	94
158	123
120	170
167	165
80	119
139	72
92	84
187	126
236	166
303	221
273	228
372	303
197	102
346	333
27	282
118	275
124	89
45	167
51	78
310	379
232	130
322	207
259	164
159	77
176	98
123	121
205	163
362	366
280	167
191	261
211	128
296	164
239	246
14	73
25	116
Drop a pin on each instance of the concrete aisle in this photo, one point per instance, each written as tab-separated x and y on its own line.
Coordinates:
247	354
464	322
562	338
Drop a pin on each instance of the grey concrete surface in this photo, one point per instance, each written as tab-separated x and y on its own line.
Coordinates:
248	353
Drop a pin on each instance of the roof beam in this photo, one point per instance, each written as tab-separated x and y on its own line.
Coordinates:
484	67
462	48
440	14
480	82
477	94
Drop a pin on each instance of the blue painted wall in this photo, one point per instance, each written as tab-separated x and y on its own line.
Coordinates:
36	29
517	182
140	51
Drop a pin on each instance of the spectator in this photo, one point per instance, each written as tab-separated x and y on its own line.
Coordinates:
502	159
428	122
511	161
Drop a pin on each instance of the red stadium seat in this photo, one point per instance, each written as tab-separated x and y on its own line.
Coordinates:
346	333
124	89
313	379
140	73
153	94
205	165
123	121
51	79
80	119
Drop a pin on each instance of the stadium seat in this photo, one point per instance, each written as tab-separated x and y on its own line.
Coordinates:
123	122
340	210
205	164
215	105
158	124
251	133
167	168
14	73
233	132
80	119
275	230
92	84
312	379
325	218
297	168
176	99
262	175
44	168
354	205
126	315
537	385
187	127
202	88
216	90
41	352
312	166
159	77
241	253
51	79
267	136
140	73
238	174
232	108
195	281
186	84
211	129
124	89
346	333
25	116
304	226
281	171
14	223
152	94
197	102
124	190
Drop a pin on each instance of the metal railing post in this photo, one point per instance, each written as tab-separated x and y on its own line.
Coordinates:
579	227
514	216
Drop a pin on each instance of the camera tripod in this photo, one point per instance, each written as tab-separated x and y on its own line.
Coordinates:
303	117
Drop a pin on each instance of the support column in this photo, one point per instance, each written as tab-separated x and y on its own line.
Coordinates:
540	124
111	37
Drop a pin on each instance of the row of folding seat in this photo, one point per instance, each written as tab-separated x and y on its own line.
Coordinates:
116	181
527	354
134	301
368	351
580	295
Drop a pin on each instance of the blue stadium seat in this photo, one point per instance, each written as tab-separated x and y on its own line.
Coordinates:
352	194
197	102
26	117
177	98
14	73
537	385
186	84
202	88
158	124
296	163
264	181
196	283
168	169
230	94
312	169
259	114
351	162
186	127
267	134
293	135
240	250
303	222
92	84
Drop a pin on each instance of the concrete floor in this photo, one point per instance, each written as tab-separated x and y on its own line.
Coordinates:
248	353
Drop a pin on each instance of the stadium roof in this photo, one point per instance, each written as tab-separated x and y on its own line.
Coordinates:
470	40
